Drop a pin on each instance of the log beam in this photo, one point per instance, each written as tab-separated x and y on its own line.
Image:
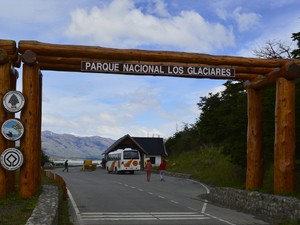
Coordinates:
285	145
290	71
74	64
77	68
95	52
10	47
77	61
254	176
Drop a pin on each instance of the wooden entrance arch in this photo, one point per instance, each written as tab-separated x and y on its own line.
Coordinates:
257	74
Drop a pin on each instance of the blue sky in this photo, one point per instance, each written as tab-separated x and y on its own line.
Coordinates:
107	105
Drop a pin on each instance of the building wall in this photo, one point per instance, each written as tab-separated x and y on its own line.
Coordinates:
155	159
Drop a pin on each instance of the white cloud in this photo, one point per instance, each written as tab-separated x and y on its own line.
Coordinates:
246	21
121	24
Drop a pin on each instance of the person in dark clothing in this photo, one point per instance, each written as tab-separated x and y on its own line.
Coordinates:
66	166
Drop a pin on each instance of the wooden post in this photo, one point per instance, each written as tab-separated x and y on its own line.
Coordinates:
4	88
29	177
254	176
284	155
39	135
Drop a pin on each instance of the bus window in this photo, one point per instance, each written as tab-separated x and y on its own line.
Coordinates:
131	155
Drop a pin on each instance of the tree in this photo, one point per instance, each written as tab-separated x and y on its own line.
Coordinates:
274	50
44	158
296	53
223	121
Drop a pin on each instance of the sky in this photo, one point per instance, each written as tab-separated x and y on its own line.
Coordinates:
111	105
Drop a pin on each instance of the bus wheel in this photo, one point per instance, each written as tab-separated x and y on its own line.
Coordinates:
131	172
116	171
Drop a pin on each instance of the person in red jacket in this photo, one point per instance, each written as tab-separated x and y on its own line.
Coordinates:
148	169
162	170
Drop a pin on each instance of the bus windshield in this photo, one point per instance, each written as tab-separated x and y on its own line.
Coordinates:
131	155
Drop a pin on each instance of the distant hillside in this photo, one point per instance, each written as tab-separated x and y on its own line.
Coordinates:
74	147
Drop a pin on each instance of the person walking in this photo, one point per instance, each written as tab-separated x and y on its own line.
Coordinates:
162	170
148	169
66	166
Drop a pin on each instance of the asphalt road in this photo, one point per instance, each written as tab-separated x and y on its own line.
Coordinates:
119	199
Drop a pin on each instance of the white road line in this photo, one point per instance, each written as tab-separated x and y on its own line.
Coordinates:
217	218
191	208
204	207
207	192
174	202
144	216
75	207
161	196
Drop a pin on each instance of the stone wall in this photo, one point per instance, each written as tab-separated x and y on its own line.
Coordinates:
46	211
276	208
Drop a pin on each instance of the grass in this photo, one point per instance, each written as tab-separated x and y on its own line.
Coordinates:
16	211
209	166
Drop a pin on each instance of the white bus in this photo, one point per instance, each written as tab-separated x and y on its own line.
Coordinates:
123	160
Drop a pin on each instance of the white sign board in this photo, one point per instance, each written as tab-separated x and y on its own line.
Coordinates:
11	159
13	101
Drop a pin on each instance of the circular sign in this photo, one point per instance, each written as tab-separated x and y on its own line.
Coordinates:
13	101
12	129
135	163
11	159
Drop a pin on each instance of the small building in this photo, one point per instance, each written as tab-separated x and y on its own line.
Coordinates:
155	148
149	147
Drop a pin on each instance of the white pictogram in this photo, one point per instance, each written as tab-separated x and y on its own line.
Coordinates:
13	101
11	159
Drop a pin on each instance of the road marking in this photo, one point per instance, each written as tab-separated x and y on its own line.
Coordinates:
161	196
75	207
217	218
143	216
174	202
204	206
191	208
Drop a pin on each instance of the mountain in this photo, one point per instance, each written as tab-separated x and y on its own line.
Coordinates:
74	147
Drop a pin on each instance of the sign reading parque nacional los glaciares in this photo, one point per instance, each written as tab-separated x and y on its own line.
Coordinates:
155	69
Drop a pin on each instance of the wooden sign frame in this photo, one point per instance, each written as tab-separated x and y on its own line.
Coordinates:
256	74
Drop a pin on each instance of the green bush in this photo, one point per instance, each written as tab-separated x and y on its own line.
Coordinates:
210	166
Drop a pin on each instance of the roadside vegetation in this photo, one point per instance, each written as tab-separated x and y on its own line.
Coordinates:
210	166
16	211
